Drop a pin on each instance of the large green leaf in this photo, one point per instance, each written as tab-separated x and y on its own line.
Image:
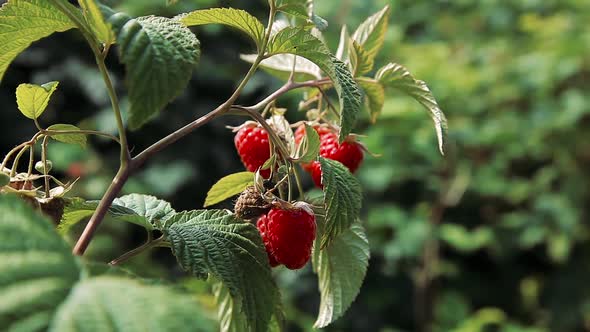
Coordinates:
32	99
216	242
24	21
342	199
37	269
229	186
229	313
159	54
341	268
397	77
235	18
154	211
146	211
72	138
293	40
95	20
371	34
122	305
374	96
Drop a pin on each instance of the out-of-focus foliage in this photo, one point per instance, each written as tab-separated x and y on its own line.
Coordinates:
491	236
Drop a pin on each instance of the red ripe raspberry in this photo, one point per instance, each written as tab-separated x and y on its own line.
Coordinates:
253	148
261	224
349	153
288	235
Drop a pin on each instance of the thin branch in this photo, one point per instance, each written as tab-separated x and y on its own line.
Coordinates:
284	89
106	201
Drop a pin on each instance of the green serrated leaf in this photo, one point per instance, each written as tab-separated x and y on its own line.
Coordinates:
71	138
310	146
341	268
37	269
32	99
229	186
342	199
216	242
295	8
95	20
119	304
397	77
363	62
298	41
374	96
159	54
371	33
235	18
154	211
281	66
24	21
229	313
143	210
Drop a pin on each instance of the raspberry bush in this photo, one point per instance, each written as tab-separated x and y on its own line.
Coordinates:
276	222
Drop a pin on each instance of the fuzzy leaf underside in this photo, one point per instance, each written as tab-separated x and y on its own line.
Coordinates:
370	35
397	77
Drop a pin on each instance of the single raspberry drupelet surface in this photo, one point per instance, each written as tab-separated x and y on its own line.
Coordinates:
288	235
261	224
253	148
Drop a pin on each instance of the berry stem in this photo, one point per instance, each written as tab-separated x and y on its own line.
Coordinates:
33	140
17	159
298	181
31	161
150	243
283	152
44	161
284	89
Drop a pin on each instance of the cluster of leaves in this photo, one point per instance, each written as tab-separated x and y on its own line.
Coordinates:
159	55
45	287
513	190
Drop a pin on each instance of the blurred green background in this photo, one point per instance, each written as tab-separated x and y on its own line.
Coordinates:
492	237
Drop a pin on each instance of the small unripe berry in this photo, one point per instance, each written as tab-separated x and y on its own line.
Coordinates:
41	169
